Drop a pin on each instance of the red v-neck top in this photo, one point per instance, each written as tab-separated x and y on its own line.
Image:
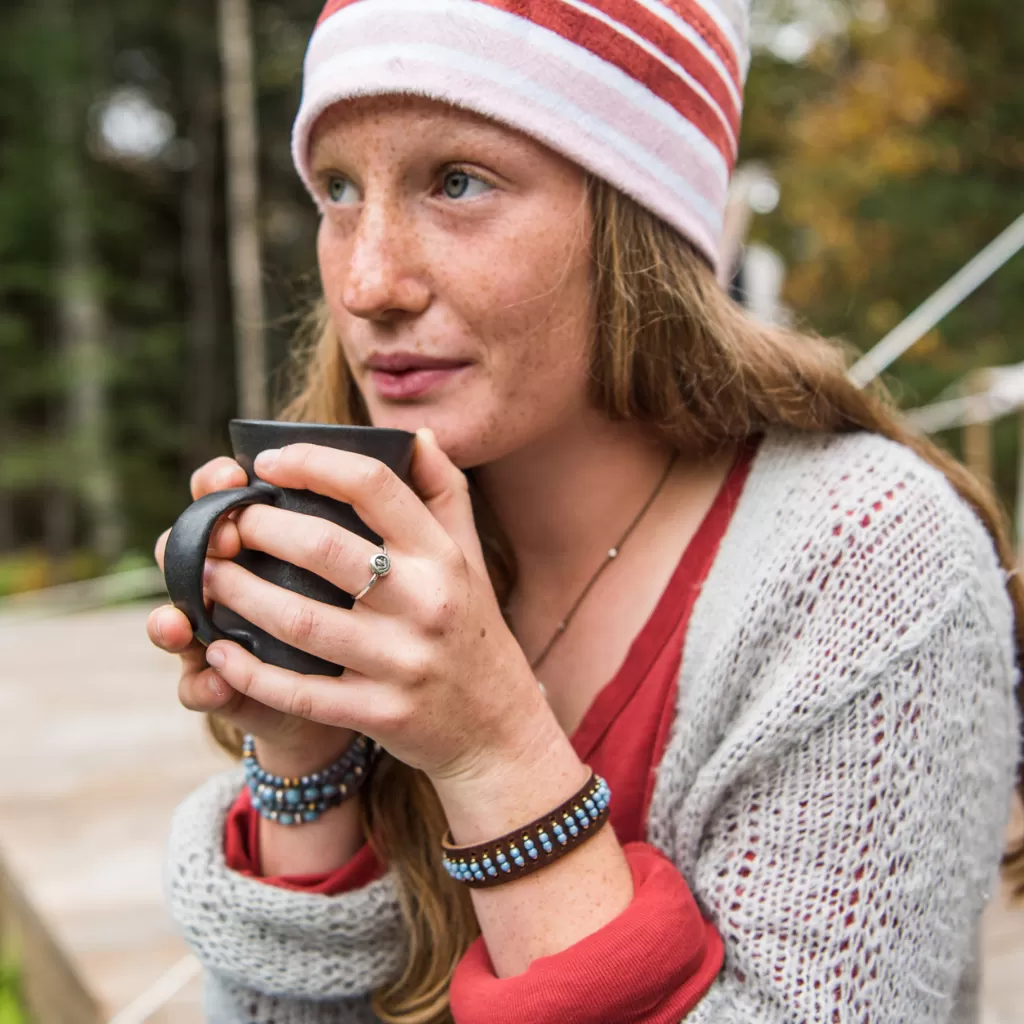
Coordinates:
661	953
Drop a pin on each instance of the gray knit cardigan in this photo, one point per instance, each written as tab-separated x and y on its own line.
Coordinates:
835	787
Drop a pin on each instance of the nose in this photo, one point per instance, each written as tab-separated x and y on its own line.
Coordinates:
383	280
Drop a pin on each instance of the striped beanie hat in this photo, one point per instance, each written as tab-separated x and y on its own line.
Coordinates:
646	94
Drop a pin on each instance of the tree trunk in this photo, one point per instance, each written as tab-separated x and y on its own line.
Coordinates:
198	239
243	213
83	327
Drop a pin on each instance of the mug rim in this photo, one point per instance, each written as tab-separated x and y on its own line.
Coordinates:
297	424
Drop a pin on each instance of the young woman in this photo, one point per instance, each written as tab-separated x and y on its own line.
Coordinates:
775	634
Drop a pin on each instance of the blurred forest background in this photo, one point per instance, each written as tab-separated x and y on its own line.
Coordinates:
892	127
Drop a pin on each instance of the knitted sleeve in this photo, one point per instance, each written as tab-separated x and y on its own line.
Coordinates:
847	876
840	793
272	955
226	1002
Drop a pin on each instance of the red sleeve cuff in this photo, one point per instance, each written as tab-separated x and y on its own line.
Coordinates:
242	854
651	965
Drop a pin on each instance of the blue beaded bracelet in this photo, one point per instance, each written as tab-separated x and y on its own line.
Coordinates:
302	799
534	846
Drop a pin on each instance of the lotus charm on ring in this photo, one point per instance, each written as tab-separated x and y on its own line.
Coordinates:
380	565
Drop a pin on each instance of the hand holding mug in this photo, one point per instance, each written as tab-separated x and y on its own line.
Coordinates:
296	743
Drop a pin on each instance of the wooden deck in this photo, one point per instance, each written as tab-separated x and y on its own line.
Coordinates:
95	752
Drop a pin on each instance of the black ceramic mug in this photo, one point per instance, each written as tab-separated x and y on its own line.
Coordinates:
185	554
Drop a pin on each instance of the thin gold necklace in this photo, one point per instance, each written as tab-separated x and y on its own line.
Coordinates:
612	554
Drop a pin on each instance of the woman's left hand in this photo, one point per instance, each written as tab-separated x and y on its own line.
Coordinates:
432	671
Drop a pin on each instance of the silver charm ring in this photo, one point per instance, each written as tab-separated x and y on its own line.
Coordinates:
380	565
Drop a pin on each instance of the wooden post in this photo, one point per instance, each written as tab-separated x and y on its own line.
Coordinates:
1019	510
978	436
243	206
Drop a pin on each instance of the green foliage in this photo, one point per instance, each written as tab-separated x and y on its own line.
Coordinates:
897	144
11	1009
899	150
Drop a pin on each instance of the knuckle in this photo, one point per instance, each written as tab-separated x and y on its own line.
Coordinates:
302	623
187	691
212	476
377	479
329	548
301	704
249	522
301	455
392	717
417	665
439	613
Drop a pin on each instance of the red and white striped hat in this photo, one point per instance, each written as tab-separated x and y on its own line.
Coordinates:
646	94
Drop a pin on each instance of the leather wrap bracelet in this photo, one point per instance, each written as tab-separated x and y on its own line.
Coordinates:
524	850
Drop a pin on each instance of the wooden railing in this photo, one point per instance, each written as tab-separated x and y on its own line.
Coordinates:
52	991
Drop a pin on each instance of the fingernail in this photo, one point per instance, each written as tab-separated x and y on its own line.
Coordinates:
159	630
266	459
215	657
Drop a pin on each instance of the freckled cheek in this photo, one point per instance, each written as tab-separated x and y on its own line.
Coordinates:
534	320
332	258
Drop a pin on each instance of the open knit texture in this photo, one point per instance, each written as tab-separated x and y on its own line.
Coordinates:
835	789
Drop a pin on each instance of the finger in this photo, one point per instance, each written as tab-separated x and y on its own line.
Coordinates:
332	552
169	629
207	691
350	701
366	642
160	547
383	501
444	489
219	474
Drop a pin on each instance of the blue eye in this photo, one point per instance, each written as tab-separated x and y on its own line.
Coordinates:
341	190
462	185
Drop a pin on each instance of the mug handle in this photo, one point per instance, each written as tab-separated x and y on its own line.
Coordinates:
185	553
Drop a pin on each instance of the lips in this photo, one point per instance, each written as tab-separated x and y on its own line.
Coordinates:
403	362
399	376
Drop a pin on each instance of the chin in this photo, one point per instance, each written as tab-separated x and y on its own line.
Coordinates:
462	437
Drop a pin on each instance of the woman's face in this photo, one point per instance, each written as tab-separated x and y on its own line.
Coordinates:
454	256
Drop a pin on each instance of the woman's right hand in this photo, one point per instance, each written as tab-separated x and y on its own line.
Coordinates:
286	745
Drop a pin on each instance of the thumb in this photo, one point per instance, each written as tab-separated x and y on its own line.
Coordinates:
443	488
